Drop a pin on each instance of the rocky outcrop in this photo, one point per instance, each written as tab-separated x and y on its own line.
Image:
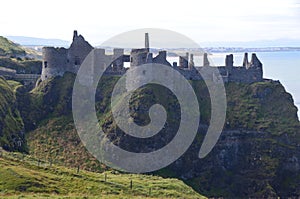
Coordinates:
243	164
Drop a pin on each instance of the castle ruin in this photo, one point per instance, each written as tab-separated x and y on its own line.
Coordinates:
57	61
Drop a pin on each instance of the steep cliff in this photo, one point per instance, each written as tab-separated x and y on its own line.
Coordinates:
257	154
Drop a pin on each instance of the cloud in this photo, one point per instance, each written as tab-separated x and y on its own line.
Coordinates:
202	20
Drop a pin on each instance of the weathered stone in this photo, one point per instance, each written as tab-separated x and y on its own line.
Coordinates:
245	61
57	61
205	60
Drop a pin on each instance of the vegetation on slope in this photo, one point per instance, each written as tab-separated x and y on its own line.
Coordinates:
47	111
16	57
11	124
24	65
8	48
22	176
264	109
262	106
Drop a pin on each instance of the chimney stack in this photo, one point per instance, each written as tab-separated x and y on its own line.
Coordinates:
246	62
147	40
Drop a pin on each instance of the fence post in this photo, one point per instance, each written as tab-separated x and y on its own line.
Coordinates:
130	184
78	169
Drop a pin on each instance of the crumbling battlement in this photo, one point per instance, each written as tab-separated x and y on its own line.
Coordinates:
57	61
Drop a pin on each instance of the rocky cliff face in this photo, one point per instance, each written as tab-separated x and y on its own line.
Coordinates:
257	154
243	164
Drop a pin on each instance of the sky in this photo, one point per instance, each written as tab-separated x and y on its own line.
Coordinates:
203	21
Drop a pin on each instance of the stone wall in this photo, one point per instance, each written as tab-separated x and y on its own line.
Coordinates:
56	61
77	52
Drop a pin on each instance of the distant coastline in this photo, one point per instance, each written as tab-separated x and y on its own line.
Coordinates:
237	50
176	52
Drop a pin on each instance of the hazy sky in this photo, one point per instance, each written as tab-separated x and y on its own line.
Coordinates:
210	20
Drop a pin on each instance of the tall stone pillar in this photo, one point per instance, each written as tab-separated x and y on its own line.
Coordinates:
191	63
245	61
229	60
205	60
147	45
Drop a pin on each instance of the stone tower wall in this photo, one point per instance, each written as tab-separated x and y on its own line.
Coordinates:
138	56
77	52
54	62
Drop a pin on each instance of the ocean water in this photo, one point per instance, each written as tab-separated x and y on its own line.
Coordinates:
282	66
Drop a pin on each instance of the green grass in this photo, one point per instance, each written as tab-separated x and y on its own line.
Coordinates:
263	106
29	66
11	123
16	57
7	47
21	177
14	85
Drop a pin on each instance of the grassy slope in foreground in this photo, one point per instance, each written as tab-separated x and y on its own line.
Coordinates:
20	176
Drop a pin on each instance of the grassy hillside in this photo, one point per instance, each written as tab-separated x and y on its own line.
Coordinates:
16	57
47	111
22	176
262	106
24	65
8	48
265	108
11	124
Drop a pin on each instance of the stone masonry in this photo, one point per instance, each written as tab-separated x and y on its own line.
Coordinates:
57	61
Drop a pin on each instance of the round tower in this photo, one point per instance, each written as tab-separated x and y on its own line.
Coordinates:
54	62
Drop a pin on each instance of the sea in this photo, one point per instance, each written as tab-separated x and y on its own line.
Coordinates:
279	65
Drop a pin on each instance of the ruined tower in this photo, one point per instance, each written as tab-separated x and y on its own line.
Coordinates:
57	61
77	52
54	62
118	63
